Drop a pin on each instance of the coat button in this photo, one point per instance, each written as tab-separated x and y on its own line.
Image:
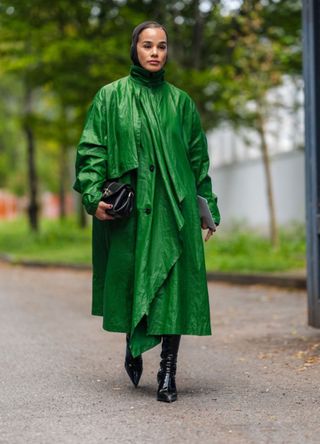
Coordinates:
151	167
148	210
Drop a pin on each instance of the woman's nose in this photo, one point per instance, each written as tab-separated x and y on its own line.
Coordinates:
154	52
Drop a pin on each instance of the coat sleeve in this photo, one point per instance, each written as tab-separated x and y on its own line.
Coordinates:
91	159
199	159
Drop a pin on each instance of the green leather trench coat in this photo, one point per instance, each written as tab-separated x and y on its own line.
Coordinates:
149	274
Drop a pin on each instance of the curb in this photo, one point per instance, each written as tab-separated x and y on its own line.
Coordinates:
37	264
275	280
293	281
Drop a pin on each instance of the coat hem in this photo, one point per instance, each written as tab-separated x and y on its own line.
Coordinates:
163	332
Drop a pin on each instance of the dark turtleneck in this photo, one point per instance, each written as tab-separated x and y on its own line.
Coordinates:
145	77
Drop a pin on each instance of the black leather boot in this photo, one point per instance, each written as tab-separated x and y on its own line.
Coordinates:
133	365
167	390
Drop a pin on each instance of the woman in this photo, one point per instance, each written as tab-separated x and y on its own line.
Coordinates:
149	278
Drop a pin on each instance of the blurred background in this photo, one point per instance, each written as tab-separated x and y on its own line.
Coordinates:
241	61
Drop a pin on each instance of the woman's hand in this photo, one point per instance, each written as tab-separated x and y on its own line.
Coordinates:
101	213
210	232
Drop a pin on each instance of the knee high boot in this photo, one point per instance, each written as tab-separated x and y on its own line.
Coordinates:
133	365
167	391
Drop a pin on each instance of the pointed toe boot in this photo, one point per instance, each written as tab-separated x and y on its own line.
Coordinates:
167	390
133	365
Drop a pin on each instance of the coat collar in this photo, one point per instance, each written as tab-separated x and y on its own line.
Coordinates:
147	78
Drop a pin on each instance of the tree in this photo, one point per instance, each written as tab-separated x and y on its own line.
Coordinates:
20	57
258	59
65	51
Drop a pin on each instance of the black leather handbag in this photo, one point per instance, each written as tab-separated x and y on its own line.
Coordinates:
121	196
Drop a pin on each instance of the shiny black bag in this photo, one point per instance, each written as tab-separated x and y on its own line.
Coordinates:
121	196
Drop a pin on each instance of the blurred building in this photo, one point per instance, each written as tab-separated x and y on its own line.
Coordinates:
12	206
9	205
237	168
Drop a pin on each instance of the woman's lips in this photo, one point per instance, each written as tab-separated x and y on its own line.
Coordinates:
153	62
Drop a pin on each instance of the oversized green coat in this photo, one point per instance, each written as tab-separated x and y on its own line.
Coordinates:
149	275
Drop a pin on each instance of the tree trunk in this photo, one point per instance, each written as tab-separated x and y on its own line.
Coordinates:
63	167
274	235
197	36
33	206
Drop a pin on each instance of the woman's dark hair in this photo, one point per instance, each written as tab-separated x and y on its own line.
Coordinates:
135	37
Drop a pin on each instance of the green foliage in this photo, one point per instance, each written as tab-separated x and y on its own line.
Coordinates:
259	53
244	251
12	158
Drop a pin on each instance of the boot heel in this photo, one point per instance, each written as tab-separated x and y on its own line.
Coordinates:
167	390
133	366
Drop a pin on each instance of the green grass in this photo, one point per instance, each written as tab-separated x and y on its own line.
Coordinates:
245	251
56	242
232	251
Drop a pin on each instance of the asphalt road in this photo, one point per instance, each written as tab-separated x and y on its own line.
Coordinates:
255	380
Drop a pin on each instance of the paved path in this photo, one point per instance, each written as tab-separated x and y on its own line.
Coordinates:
256	380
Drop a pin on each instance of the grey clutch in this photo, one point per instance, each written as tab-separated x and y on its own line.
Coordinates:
205	213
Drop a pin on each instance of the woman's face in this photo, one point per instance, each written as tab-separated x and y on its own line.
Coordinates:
152	49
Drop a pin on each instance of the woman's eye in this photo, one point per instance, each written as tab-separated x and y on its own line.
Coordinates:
147	46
